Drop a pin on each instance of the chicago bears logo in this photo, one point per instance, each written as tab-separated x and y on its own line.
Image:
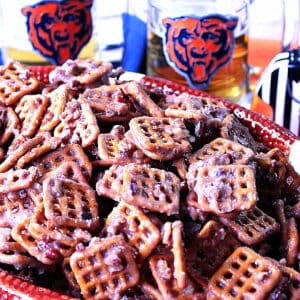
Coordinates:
59	30
197	47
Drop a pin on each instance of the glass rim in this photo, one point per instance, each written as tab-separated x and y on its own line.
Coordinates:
166	4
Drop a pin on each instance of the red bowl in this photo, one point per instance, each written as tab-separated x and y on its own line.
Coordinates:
263	129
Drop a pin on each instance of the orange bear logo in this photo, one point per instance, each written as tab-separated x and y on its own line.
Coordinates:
59	30
197	47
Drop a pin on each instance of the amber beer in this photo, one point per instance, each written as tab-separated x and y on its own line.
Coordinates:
229	81
30	57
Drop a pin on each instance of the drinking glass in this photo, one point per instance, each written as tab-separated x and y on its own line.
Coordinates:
201	43
43	32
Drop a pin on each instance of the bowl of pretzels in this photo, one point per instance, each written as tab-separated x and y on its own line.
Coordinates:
114	187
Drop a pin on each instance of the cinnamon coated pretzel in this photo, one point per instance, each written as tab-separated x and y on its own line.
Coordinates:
68	153
135	226
15	82
70	203
104	268
244	274
30	111
9	124
154	189
160	138
222	152
223	189
252	226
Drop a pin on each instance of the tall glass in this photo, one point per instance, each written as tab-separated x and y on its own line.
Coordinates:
202	43
43	32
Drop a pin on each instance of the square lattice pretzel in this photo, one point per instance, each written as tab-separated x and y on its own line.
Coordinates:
160	138
30	110
69	153
15	207
78	124
154	189
135	226
252	226
104	268
57	102
15	180
15	82
111	184
199	108
69	236
70	203
114	148
244	275
109	103
13	253
209	249
223	189
222	150
43	248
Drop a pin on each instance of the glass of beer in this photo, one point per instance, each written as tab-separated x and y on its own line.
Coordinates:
200	43
37	32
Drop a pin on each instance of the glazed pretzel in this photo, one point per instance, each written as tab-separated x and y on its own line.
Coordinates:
15	207
151	188
19	147
111	184
136	227
57	102
15	180
39	226
46	144
141	100
232	129
209	249
252	226
162	268
114	148
9	124
68	153
173	237
15	82
44	250
223	189
109	103
78	124
221	152
13	253
30	111
79	73
105	267
198	108
67	169
244	274
160	138
70	203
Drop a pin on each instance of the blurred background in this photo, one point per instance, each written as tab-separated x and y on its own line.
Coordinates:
121	30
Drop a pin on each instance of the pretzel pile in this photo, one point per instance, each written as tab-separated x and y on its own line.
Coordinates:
114	190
